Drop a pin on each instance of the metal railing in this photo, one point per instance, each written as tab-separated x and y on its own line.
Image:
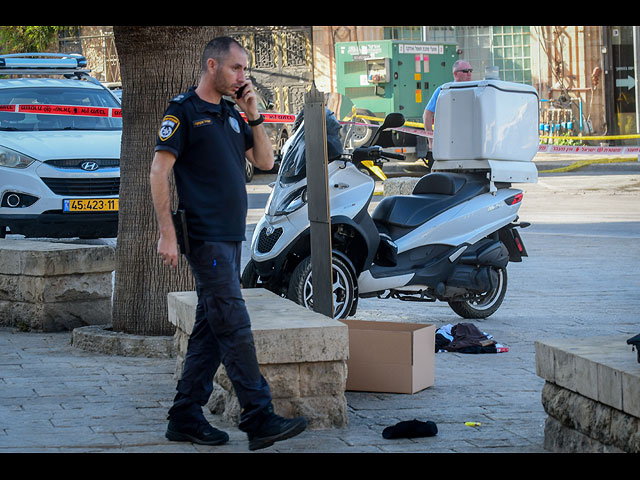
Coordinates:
100	52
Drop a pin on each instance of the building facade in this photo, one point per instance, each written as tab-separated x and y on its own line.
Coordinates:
585	75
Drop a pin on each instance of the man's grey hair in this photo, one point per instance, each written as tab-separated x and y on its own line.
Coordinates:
457	63
218	48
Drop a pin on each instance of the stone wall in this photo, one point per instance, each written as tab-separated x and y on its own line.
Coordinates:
591	394
580	424
302	355
51	286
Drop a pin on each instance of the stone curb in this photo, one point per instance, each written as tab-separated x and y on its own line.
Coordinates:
102	339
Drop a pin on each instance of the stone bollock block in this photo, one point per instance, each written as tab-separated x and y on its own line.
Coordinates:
53	286
302	355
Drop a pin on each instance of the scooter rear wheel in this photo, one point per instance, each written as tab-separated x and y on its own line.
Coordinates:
486	304
343	285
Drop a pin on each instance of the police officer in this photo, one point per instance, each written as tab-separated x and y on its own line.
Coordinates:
204	140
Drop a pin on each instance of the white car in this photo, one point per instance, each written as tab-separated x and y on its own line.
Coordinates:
59	149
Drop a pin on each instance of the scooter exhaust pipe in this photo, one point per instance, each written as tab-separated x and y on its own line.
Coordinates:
475	279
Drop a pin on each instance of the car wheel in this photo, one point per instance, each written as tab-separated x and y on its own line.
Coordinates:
362	134
248	171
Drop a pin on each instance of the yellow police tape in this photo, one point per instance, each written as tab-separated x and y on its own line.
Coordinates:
378	119
579	137
584	163
549	137
574	166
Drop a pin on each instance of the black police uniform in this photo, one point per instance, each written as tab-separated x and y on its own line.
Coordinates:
209	141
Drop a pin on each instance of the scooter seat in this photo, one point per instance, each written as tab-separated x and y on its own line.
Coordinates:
433	194
440	182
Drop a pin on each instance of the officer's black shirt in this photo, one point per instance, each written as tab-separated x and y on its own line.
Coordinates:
209	141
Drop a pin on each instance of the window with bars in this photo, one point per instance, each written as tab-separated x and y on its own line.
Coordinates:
507	47
402	33
511	52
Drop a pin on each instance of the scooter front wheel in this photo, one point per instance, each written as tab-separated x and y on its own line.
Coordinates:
485	304
249	277
343	286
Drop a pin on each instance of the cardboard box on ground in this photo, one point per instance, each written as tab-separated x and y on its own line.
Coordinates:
390	357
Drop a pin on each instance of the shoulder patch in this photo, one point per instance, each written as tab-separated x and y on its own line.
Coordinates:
234	124
168	127
181	98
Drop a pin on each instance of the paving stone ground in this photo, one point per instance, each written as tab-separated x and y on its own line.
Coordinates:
579	280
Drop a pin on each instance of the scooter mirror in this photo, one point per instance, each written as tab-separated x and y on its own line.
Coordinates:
393	120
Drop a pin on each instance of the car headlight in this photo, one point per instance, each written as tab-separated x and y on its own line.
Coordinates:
293	202
12	159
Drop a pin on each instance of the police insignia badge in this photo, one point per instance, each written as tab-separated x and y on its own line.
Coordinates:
234	124
168	127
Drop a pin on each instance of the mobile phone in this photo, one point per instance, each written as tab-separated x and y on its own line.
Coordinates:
240	90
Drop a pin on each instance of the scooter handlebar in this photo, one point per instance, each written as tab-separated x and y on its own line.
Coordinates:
397	156
373	153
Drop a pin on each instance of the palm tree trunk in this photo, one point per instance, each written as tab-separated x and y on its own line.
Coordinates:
156	63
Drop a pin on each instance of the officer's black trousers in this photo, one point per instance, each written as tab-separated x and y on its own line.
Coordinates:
221	333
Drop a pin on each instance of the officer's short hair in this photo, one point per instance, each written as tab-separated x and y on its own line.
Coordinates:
218	48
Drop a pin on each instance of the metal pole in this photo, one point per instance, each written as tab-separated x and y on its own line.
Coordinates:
315	137
636	68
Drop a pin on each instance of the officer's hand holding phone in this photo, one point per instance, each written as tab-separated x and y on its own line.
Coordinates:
246	100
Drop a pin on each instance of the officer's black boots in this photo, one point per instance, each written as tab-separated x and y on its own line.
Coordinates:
198	432
270	428
275	428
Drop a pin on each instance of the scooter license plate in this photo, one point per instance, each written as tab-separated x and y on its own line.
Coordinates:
90	205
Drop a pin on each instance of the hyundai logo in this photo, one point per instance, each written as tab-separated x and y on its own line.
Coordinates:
89	166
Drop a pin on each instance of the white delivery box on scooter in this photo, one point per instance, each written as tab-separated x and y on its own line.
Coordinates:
487	125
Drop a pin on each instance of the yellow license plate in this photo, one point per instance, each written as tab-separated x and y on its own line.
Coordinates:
90	205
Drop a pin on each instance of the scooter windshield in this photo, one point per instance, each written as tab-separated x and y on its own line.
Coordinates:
293	166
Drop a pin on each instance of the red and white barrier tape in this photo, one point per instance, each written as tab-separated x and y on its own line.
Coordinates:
289	118
63	110
275	117
542	148
108	112
581	149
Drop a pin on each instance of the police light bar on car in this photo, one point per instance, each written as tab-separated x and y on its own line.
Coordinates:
41	62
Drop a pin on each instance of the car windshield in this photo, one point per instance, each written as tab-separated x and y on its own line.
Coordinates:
293	167
30	118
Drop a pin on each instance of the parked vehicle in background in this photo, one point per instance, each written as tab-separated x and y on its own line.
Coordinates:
278	132
115	88
60	134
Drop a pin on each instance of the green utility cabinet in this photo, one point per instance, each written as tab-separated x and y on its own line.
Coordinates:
387	76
